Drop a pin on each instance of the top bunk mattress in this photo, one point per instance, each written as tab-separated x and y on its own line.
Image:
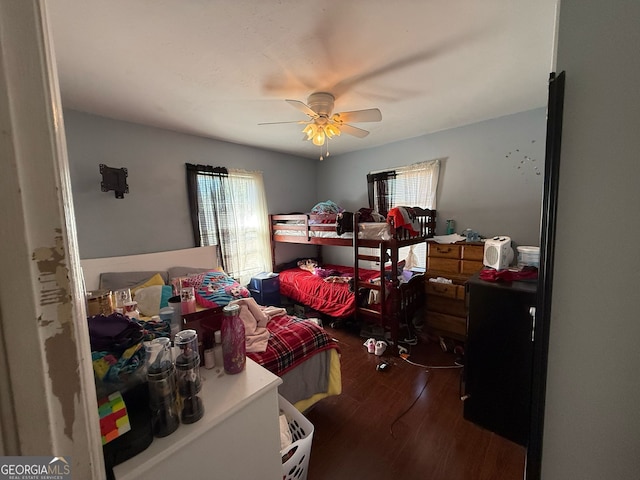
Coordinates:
366	231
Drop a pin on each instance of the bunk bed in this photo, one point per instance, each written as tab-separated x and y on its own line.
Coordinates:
395	299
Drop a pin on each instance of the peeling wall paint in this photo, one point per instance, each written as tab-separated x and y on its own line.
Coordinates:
55	290
63	372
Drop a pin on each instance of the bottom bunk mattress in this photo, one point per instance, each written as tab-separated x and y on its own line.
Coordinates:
328	295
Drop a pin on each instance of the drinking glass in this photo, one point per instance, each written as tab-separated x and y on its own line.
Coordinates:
122	296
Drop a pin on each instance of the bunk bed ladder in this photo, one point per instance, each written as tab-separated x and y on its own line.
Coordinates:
386	252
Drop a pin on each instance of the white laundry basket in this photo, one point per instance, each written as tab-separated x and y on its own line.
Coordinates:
295	457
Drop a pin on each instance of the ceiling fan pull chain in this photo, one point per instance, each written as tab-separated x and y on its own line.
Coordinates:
326	152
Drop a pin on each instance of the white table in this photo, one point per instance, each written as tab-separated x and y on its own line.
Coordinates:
237	438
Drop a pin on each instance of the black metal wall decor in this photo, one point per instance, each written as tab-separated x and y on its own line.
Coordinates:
114	179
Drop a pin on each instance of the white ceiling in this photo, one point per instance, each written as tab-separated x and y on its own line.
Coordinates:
219	68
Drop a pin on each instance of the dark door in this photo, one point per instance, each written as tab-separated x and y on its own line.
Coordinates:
499	357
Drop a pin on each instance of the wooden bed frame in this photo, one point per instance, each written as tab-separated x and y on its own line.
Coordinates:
404	298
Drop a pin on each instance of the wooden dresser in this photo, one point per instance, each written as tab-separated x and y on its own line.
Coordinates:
446	302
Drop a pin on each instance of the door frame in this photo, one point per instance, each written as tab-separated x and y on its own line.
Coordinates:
533	467
48	401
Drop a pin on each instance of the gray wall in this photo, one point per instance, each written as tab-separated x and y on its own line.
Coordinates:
154	216
491	176
483	184
592	417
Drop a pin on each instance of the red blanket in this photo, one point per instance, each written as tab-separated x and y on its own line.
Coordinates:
292	341
333	299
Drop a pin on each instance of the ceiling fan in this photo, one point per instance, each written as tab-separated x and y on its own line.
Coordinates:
323	124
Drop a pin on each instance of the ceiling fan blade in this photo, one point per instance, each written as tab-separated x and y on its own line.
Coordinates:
278	123
357	116
355	131
302	107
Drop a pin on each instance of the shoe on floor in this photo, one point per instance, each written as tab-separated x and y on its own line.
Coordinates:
371	345
380	347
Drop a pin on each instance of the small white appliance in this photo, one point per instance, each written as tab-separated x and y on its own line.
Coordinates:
498	253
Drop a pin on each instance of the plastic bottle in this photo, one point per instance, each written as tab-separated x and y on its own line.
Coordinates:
217	348
163	391
451	226
233	340
188	376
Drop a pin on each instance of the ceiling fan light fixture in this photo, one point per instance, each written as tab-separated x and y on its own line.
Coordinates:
310	130
319	137
331	130
318	134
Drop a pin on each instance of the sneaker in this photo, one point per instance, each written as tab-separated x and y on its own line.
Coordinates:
371	345
380	347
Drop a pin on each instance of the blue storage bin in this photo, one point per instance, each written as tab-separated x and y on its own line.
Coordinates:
265	289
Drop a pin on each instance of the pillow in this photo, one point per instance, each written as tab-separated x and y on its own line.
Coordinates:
117	280
215	289
178	276
294	263
175	272
151	299
155	280
308	264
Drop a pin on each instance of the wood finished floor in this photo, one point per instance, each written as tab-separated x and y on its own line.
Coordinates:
363	434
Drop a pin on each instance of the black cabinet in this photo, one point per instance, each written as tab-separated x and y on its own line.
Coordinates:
498	356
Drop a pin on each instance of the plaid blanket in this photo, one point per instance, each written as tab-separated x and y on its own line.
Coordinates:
292	341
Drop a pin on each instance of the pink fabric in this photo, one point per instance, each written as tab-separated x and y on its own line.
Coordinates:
255	319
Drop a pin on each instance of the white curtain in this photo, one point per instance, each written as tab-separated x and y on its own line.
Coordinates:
416	186
249	247
229	209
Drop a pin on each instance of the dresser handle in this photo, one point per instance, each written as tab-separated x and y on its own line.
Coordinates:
532	312
443	250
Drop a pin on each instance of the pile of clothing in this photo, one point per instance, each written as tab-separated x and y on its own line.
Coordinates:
117	349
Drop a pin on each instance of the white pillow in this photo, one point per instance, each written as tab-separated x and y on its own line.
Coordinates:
149	299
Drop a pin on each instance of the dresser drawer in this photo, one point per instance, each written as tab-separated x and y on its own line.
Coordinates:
473	252
447	323
444	250
469	267
450	306
447	290
437	264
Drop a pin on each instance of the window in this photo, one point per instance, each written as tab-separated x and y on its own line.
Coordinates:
229	209
411	186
